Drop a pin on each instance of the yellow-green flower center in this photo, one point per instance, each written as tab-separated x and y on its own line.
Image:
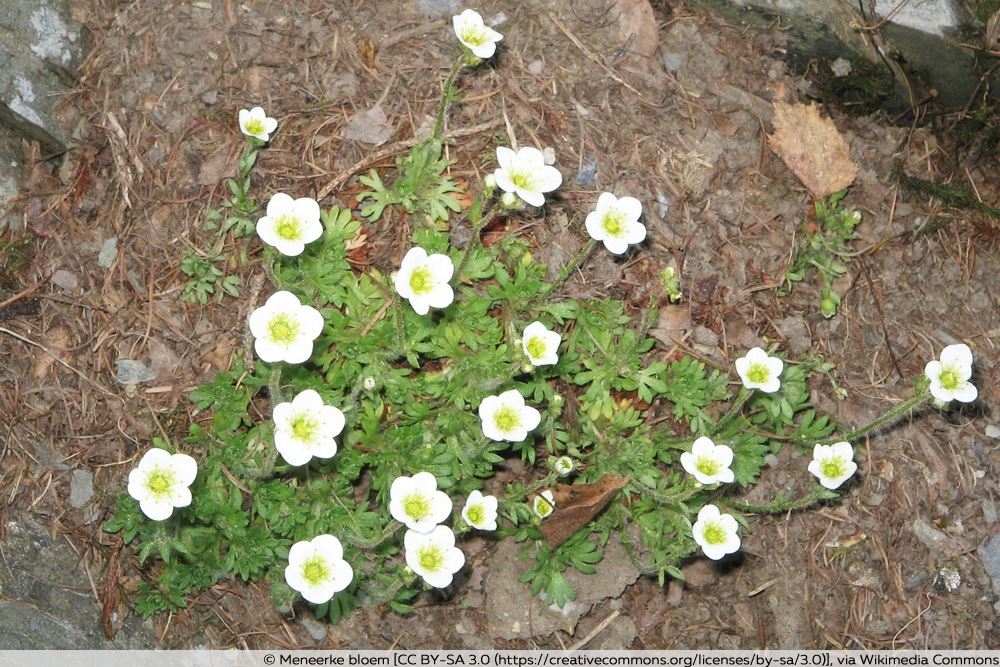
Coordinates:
833	467
304	427
521	179
416	506
542	506
421	280
536	347
255	126
707	465
714	533
315	570
613	223
288	227
160	481
476	514
283	329
431	557
473	35
758	373
949	378
507	419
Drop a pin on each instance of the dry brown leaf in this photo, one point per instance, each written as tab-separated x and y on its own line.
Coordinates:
576	504
57	342
812	148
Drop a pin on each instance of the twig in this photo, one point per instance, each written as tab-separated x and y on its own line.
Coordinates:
596	631
24	293
590	54
341	180
54	356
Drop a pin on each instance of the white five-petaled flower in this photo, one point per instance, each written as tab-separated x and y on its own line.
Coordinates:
506	417
290	224
433	555
255	123
950	376
563	466
833	464
526	174
306	427
317	569
544	504
160	482
716	533
760	371
416	502
423	280
540	345
480	511
616	222
709	462
474	34
285	329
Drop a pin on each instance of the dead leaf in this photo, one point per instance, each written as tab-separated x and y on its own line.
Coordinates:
672	323
57	343
812	148
576	504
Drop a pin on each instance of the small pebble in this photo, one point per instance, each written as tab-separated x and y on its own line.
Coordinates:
993	431
81	488
315	629
536	67
989	510
109	251
928	534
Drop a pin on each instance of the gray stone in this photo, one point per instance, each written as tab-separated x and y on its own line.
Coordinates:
130	372
515	614
315	629
989	554
81	487
47	601
923	31
109	250
928	534
40	48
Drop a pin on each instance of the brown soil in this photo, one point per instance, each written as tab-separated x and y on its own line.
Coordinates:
153	120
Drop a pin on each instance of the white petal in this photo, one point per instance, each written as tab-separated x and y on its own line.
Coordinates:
530	197
505	158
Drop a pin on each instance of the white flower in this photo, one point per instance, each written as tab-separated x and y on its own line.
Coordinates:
424	280
474	34
433	555
709	462
317	568
759	371
716	533
506	417
306	428
616	222
255	123
417	502
526	174
290	224
540	345
563	466
950	376
480	511
160	482
833	464
285	329
544	504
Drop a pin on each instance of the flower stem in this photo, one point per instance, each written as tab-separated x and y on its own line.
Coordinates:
274	383
892	414
741	398
397	307
568	270
446	97
477	229
818	493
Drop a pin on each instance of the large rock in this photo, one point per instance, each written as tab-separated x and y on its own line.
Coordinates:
41	46
925	33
